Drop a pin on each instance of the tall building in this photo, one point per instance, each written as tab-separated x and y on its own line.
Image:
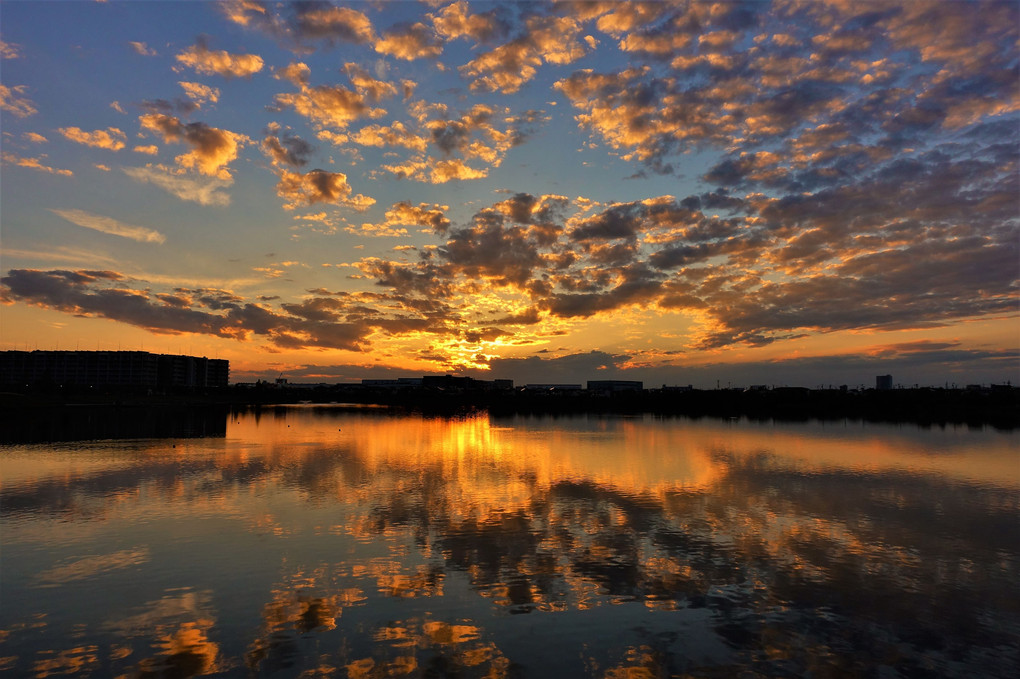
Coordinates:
111	369
883	382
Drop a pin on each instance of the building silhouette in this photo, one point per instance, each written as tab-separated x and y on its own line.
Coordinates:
606	387
111	369
883	382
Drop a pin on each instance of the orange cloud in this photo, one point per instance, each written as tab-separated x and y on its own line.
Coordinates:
212	148
329	106
404	214
296	73
111	138
372	89
12	102
546	39
410	42
33	163
396	134
219	62
199	93
454	21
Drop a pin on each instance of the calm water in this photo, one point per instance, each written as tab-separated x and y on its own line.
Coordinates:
311	542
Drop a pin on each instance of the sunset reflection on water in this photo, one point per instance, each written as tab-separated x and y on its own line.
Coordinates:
317	541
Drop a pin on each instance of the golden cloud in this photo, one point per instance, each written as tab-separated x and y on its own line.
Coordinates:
329	106
212	148
409	43
453	21
396	134
199	93
111	138
12	101
219	62
403	214
33	163
296	73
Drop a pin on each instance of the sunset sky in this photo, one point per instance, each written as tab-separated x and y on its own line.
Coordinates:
793	192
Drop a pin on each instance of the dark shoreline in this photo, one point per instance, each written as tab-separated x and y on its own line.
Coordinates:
191	412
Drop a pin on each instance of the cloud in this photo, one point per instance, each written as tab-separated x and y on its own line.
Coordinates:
373	89
219	62
203	192
431	216
301	24
286	149
323	21
484	133
9	50
142	49
212	148
296	73
329	106
454	21
110	226
199	93
396	134
566	369
546	39
316	321
34	164
409	42
698	80
12	101
924	363
319	186
111	139
35	137
776	269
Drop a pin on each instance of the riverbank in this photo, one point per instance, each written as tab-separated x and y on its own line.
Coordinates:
998	406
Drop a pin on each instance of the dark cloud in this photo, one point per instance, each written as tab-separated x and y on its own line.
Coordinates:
450	135
317	321
567	369
318	186
491	250
924	363
178	106
287	148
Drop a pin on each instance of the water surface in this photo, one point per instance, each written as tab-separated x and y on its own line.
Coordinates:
310	541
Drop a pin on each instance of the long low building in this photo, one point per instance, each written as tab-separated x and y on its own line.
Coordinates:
111	369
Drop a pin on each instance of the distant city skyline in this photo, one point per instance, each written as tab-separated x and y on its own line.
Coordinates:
777	193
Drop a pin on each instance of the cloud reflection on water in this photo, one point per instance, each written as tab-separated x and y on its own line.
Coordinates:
378	544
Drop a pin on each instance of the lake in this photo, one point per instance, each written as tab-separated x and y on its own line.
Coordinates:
308	541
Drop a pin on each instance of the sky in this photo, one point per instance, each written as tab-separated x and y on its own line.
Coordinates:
785	193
